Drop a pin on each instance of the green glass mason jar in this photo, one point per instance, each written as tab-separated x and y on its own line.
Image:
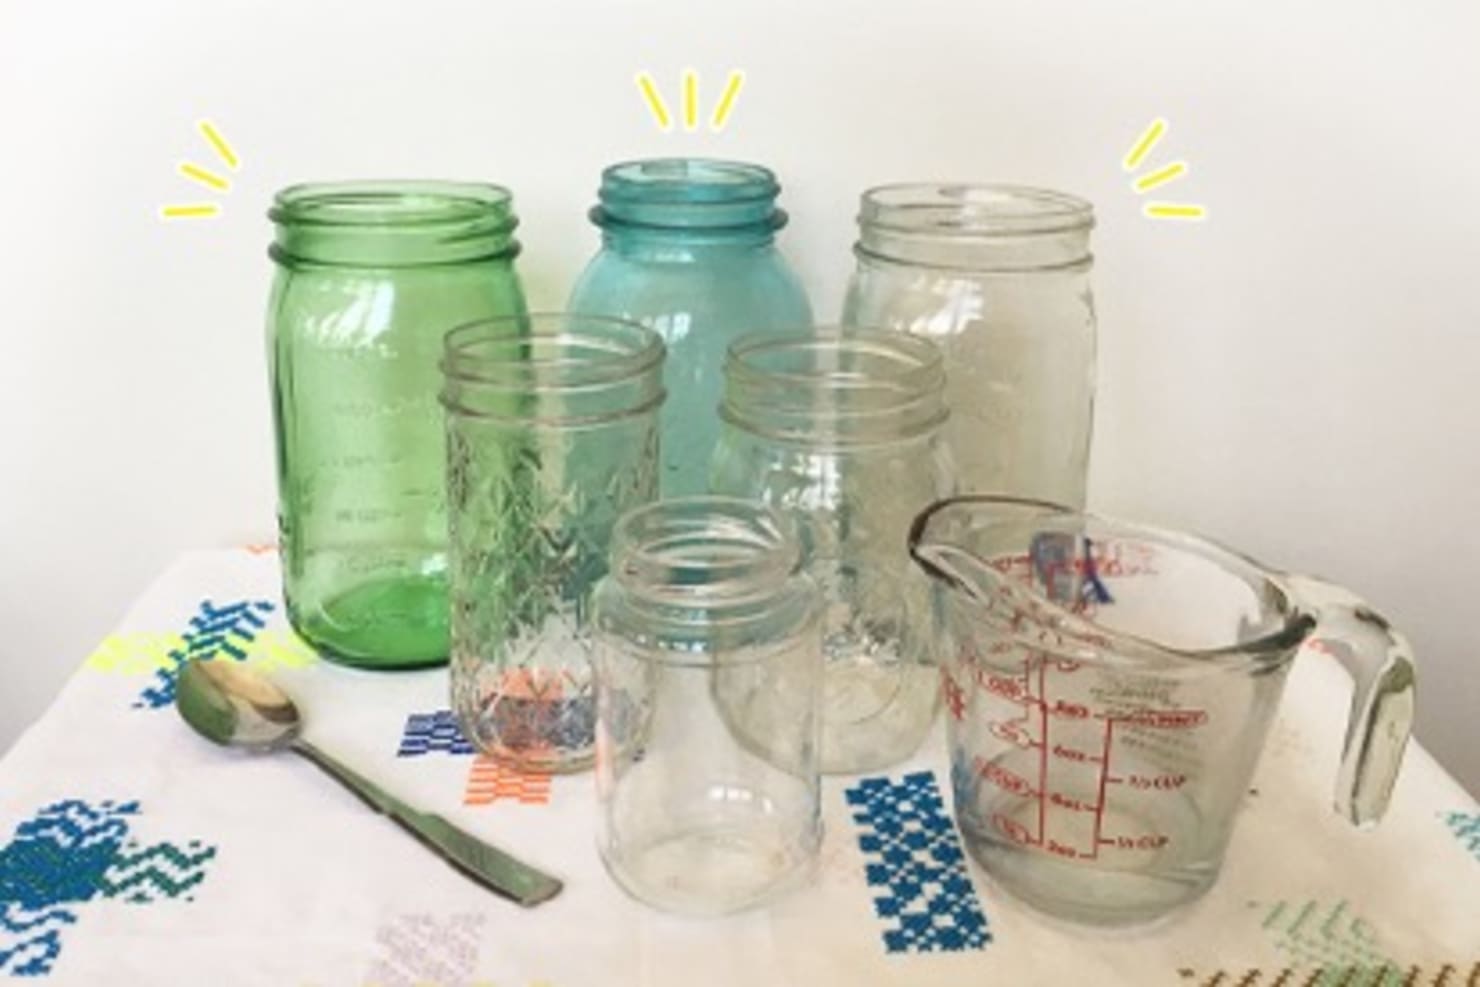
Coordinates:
371	276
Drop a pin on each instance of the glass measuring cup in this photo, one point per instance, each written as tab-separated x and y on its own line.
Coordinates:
1109	688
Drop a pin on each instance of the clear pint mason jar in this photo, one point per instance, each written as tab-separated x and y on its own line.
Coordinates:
707	670
843	430
552	434
370	277
998	276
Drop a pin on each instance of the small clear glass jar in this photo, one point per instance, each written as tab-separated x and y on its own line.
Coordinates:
707	671
844	430
688	247
370	277
998	276
552	434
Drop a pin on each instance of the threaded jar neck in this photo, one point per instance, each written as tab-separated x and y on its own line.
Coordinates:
835	387
985	228
392	224
704	553
552	370
693	199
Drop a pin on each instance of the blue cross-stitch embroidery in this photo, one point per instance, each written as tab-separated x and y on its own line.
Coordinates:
427	732
67	855
214	632
916	865
1466	828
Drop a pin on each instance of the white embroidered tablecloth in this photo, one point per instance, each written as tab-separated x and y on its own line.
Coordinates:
133	853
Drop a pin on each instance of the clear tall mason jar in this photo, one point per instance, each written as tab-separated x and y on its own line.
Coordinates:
370	276
552	434
708	670
844	431
998	276
689	249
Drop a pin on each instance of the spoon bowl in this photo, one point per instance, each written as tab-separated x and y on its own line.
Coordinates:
233	705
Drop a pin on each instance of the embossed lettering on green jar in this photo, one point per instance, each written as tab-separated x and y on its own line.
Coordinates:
371	276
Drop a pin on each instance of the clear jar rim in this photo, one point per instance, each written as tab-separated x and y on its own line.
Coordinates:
712	565
704	551
835	385
973	210
600	367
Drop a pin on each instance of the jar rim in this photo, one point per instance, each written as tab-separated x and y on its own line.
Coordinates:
704	552
557	369
920	360
696	197
569	350
400	203
835	385
687	180
964	209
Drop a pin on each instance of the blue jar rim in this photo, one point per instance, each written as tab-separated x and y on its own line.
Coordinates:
701	194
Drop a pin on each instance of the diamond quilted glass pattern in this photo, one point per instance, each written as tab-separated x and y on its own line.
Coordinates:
534	513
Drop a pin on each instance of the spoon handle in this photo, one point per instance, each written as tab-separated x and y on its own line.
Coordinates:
488	865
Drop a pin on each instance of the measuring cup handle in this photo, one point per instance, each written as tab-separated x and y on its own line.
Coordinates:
1380	659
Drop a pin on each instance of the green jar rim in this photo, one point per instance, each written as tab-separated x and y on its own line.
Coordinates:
397	223
395	203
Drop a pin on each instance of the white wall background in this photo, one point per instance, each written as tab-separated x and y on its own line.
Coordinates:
1297	376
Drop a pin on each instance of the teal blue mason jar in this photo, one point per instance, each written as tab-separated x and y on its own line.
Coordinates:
689	250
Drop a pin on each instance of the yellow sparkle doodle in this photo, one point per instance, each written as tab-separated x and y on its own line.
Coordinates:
204	176
689	92
1138	153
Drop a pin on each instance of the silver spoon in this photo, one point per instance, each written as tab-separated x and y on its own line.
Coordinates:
232	705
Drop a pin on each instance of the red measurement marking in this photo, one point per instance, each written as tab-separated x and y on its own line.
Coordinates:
1161	783
1001	685
955	698
1008	781
1166	719
1078	757
1078	805
1042	746
1012	732
1104	777
1114	560
1058	849
1013	830
1150	841
1069	711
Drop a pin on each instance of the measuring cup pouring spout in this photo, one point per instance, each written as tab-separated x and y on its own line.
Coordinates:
1111	685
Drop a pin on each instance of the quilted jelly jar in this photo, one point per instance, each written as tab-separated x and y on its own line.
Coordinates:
552	434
